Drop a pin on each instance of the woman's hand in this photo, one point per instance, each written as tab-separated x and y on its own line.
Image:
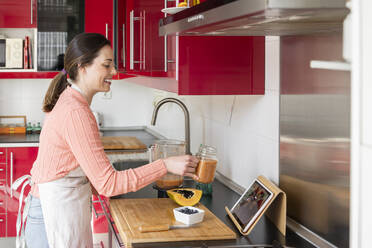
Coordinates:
184	165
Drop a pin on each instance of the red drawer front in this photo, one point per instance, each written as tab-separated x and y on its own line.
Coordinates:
100	224
2	155
3	197
2	225
2	171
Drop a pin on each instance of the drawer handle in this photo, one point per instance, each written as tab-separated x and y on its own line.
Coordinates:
1	153
1	169
11	175
1	220
1	203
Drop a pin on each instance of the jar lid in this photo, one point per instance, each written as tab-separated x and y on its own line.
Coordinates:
207	150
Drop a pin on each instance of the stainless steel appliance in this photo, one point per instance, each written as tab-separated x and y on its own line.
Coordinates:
257	17
315	139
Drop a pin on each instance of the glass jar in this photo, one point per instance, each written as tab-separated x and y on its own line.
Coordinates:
207	164
163	149
29	128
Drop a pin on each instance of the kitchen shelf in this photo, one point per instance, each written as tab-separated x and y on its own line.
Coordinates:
173	10
330	65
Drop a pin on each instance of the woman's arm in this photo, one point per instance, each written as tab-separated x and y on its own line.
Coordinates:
85	143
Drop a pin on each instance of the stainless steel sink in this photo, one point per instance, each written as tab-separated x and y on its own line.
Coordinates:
129	164
143	133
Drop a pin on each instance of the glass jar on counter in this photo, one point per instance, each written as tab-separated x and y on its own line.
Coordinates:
207	164
163	149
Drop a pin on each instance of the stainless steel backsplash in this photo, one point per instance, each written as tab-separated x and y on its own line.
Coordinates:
315	136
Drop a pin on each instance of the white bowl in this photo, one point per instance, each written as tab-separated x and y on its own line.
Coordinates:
188	219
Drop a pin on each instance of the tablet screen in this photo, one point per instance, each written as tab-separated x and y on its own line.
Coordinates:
251	204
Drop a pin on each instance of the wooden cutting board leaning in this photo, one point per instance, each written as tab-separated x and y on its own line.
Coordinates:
122	143
130	214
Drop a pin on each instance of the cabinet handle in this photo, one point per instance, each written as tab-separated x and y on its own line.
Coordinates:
95	210
165	42
11	174
31	11
1	203
1	169
1	220
106	30
1	153
166	60
124	45
131	40
144	40
165	52
141	27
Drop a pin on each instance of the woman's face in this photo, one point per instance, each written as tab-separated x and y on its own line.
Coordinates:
98	75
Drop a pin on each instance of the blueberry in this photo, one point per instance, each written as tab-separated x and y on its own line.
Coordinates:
188	211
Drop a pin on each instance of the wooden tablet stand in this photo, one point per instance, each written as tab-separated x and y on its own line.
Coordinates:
276	209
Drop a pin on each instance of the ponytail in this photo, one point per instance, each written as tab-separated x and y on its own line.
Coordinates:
80	52
56	87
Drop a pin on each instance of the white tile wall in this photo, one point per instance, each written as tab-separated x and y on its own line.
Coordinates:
245	129
23	97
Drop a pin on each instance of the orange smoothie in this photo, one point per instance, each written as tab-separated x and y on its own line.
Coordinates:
205	170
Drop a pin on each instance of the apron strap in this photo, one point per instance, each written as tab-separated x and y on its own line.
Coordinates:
20	239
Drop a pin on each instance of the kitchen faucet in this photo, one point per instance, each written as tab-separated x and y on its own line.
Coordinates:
187	118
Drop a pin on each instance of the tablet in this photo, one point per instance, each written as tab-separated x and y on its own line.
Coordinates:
252	202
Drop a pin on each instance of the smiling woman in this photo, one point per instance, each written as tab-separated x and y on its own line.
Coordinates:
71	162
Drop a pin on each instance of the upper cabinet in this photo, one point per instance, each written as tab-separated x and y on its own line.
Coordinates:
54	24
221	65
18	14
99	18
122	27
198	65
58	23
145	48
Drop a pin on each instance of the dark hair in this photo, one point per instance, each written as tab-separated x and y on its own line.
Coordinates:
81	51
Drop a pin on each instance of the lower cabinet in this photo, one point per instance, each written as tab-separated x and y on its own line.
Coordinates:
2	225
100	224
14	163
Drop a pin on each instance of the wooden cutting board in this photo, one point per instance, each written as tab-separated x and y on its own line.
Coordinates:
129	214
122	143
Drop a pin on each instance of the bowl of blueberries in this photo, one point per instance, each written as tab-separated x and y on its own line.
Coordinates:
188	215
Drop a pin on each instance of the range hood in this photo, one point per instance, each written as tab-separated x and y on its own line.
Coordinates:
256	18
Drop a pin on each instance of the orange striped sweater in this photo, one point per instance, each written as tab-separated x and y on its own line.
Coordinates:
70	138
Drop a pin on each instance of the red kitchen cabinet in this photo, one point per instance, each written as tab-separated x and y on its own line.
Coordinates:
192	65
57	23
219	65
121	35
99	18
18	14
19	161
2	225
209	65
100	224
145	48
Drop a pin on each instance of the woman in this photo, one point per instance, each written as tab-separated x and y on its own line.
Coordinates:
71	158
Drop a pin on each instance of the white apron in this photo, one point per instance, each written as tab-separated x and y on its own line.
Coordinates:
66	205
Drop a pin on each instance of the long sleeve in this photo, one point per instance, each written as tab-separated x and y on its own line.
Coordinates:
83	138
